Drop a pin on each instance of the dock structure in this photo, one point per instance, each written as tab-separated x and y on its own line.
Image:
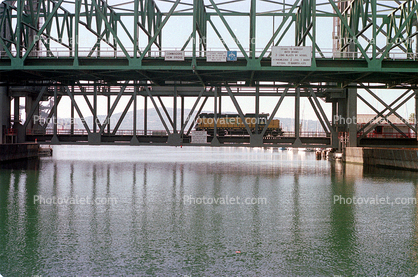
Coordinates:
18	151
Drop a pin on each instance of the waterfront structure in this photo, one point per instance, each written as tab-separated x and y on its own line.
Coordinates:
45	53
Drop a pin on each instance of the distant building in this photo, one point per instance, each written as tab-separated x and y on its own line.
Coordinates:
384	129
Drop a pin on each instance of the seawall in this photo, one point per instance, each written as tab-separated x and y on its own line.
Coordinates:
10	152
383	157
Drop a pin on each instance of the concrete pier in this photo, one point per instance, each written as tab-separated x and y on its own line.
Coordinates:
406	158
10	152
4	112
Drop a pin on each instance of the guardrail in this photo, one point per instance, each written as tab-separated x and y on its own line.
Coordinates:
111	53
83	132
388	135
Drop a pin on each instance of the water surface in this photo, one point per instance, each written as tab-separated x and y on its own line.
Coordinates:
151	219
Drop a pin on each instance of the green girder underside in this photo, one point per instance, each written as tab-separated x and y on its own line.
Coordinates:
44	40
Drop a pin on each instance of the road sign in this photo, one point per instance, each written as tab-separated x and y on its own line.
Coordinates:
216	56
174	56
231	56
291	56
199	137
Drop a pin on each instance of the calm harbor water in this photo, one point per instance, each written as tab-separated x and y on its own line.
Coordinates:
165	211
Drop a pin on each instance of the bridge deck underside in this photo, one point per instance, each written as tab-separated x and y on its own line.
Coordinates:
388	142
153	140
162	73
227	141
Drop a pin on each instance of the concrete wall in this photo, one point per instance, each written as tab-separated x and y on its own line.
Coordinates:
393	158
4	112
10	152
354	155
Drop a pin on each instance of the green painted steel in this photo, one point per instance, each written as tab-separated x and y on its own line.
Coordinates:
370	41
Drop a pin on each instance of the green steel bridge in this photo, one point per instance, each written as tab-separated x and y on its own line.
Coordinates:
152	49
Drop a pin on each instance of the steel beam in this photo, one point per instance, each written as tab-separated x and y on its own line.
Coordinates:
197	114
145	115
192	111
78	110
122	117
72	114
392	111
115	103
55	139
276	108
416	113
318	115
379	114
334	138
237	106
33	109
51	113
167	114
157	109
297	119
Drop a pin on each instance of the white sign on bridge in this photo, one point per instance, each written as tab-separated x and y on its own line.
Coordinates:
199	137
216	56
174	56
291	56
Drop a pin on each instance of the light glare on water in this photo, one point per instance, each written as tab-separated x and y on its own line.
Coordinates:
165	211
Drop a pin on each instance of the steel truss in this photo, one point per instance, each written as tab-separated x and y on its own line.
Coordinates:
100	132
44	45
374	41
344	105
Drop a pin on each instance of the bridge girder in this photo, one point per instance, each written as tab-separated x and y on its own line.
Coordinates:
68	41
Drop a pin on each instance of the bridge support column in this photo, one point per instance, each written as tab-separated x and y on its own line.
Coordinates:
108	113
30	102
334	123
34	123
215	141
94	138
17	125
351	120
416	112
4	113
342	115
145	115
174	139
297	142
175	111
256	140
16	110
55	139
134	140
72	115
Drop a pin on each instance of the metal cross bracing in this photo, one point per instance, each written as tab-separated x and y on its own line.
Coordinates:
67	41
101	132
179	121
57	47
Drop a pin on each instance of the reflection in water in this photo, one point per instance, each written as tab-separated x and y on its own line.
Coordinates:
152	230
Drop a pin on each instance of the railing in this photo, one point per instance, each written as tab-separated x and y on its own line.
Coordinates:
83	132
11	131
307	134
111	53
388	135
